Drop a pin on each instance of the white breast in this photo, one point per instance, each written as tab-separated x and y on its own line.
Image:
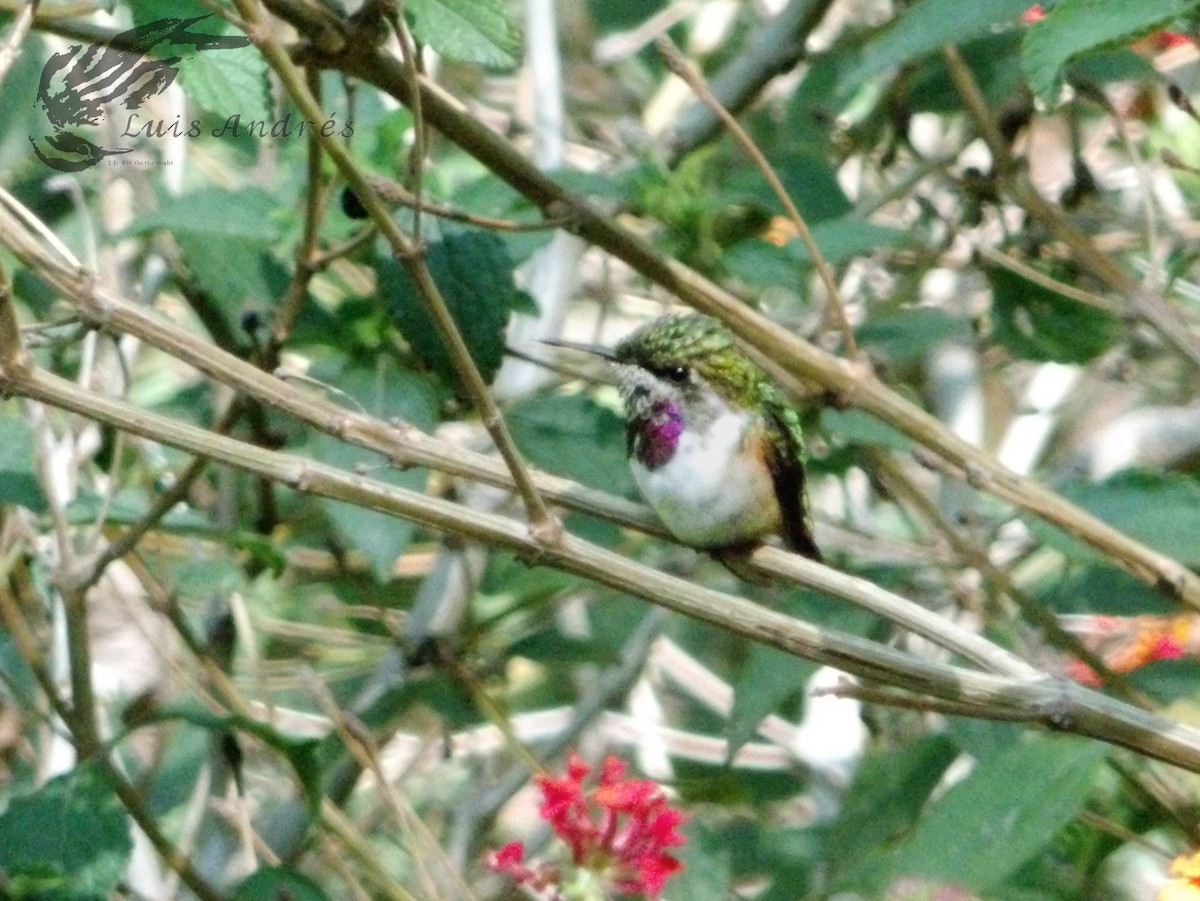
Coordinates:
711	492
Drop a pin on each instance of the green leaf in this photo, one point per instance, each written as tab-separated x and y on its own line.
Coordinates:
473	31
982	739
224	238
387	392
249	214
766	679
761	264
475	278
301	753
887	795
19	483
1159	510
1115	64
269	883
858	427
232	272
571	435
1101	588
1007	810
707	859
793	856
848	236
221	80
22	117
1036	323
812	183
551	647
226	81
994	61
621	15
928	25
68	841
903	337
1072	27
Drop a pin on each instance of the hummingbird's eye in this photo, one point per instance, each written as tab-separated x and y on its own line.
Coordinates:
676	374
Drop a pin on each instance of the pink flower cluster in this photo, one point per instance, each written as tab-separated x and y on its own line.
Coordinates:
618	832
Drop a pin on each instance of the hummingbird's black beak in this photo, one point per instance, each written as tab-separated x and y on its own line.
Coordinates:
596	350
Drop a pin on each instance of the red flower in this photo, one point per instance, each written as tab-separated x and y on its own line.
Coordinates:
510	860
618	831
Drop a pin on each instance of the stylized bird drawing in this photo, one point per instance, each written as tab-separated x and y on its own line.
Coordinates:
79	83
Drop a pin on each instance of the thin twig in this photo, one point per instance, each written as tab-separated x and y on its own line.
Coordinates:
416	158
133	801
315	202
772	49
1027	272
361	745
1146	305
395	193
13	355
338	825
676	63
10	49
544	526
899	483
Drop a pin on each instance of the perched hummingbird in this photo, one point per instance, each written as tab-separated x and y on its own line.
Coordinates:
714	446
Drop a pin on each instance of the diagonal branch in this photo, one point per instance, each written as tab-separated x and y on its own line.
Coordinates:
773	49
1056	704
1141	303
803	362
402	442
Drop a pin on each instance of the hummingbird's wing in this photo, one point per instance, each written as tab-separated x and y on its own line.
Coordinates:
786	462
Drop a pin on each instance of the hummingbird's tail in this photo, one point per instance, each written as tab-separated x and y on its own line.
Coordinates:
801	541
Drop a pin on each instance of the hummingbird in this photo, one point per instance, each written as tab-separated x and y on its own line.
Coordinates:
714	446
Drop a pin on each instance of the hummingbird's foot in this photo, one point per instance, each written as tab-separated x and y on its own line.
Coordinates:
736	559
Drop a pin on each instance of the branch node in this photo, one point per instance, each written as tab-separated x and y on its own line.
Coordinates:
302	480
1171	584
1055	712
411	250
548	533
563	213
976	475
339	425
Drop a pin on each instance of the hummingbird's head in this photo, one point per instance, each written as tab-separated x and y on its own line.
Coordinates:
677	372
687	359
